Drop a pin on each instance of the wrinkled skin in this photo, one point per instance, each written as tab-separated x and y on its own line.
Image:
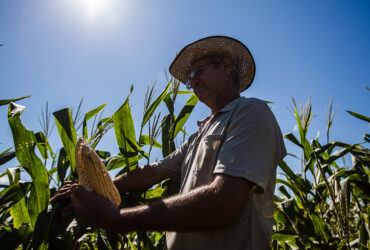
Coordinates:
87	205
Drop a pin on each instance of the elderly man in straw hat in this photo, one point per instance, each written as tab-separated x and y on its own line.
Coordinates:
226	170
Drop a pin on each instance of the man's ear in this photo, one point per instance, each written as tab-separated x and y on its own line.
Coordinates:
227	65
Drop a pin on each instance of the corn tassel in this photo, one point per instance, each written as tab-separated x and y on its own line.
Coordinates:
92	173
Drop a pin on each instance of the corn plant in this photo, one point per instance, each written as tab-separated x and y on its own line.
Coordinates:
27	218
326	206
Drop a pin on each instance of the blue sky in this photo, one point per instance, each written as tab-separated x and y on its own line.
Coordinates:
62	50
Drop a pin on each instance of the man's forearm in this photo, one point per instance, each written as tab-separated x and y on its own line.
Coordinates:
204	208
139	179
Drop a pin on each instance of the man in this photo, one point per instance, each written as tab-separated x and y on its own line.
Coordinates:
227	169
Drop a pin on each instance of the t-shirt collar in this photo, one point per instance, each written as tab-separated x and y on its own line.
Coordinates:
230	106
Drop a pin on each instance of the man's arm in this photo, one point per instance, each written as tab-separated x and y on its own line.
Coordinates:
140	179
212	206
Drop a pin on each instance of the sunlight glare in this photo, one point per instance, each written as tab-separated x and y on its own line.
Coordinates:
95	7
100	10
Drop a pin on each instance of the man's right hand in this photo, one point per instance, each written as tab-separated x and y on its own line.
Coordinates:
63	193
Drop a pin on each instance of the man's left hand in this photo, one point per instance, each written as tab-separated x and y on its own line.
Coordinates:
92	207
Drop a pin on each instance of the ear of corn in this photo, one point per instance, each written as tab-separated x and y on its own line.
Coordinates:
82	178
92	173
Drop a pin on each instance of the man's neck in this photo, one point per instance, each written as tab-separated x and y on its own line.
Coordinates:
224	100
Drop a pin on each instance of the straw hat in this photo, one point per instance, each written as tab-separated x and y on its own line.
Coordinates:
216	46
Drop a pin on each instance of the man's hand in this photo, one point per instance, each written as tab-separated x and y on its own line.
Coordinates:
87	205
92	207
63	193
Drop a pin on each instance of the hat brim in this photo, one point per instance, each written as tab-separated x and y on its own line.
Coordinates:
216	46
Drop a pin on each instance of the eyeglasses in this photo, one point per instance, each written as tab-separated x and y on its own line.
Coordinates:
196	70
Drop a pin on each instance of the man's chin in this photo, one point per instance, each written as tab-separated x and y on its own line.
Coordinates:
201	94
200	97
204	100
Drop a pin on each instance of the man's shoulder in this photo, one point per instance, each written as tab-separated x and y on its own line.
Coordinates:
252	103
251	100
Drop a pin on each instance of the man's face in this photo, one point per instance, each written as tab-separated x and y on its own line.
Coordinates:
210	83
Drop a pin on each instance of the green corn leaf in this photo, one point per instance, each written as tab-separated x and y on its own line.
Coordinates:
102	127
136	147
169	102
364	237
302	134
146	140
283	190
102	243
367	137
13	239
20	214
337	154
52	171
331	145
62	165
14	193
5	102
155	104
288	172
279	216
132	245
114	240
5	151
88	116
297	180
359	116
344	173
125	134
168	144
299	194
288	208
25	142
363	185
50	223
104	120
356	177
183	116
153	194
119	161
293	139
43	145
183	92
309	164
14	175
93	112
6	156
103	154
67	133
157	239
278	199
319	226
115	162
284	236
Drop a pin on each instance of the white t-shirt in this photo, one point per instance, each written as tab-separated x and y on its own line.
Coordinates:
242	139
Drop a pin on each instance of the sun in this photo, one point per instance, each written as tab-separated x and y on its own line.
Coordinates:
99	10
94	8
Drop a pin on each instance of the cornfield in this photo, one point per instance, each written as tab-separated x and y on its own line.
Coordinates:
326	206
